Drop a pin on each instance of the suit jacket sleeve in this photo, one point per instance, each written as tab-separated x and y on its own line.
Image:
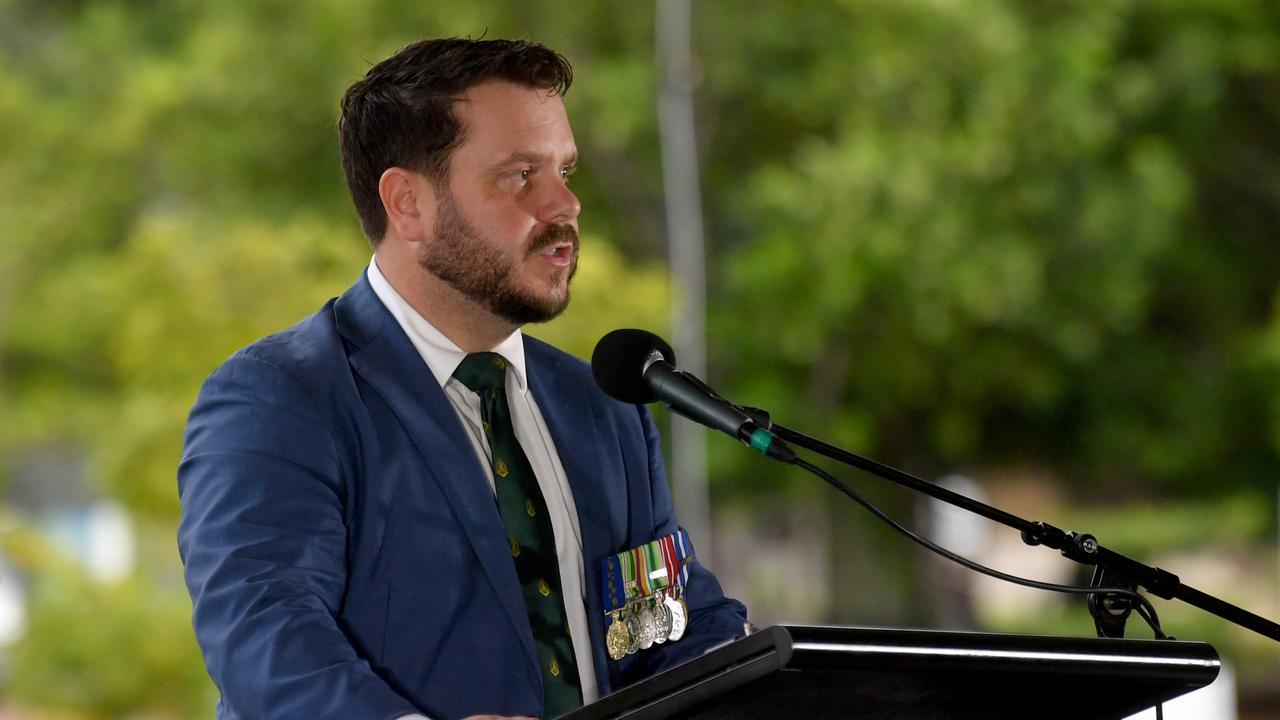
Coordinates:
713	618
263	544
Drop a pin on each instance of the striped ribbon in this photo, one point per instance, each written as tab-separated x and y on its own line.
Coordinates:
638	573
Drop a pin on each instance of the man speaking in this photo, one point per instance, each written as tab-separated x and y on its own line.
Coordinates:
402	506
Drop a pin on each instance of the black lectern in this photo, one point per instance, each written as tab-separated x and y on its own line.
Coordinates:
882	674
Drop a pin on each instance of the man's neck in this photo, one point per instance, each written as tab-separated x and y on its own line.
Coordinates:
469	325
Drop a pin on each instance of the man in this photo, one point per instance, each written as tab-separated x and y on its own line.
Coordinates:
400	506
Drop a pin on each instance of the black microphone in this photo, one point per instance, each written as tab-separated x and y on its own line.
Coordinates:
636	366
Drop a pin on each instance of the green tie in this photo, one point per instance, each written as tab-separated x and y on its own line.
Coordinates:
528	526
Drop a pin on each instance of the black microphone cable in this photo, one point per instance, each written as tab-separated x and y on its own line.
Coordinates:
1143	606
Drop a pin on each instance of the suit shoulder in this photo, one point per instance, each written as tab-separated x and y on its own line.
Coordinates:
309	351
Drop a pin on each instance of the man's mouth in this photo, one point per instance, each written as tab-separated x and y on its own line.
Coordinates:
561	248
558	244
560	253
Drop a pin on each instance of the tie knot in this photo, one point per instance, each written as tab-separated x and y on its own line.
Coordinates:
482	371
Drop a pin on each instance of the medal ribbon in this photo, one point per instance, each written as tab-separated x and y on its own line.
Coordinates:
632	581
683	548
628	576
642	576
655	568
669	559
611	583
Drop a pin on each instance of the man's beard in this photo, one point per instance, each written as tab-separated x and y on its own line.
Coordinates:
480	270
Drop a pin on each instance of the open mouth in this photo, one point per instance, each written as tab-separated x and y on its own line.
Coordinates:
559	253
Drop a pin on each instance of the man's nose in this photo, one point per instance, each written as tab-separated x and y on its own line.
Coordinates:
557	205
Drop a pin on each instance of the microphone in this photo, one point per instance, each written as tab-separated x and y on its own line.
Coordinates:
638	367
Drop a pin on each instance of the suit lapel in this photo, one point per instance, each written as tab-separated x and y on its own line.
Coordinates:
574	430
386	359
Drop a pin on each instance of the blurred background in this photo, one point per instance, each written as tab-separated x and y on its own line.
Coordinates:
1031	247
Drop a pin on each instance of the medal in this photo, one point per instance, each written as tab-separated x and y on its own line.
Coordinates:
661	620
642	593
618	639
679	618
648	630
633	629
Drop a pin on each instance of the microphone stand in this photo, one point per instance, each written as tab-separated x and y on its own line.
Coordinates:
1111	569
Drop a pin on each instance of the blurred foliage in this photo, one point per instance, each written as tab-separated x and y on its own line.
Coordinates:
953	235
1144	529
98	649
976	234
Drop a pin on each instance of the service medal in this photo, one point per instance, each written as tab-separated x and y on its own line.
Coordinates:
679	618
661	621
633	629
618	639
648	629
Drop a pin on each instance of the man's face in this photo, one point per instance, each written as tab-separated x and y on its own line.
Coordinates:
506	224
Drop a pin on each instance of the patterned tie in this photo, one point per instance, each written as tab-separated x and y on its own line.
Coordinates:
528	526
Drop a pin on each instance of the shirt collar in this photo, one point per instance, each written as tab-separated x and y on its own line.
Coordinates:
441	354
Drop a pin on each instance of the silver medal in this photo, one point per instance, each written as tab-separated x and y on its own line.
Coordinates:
648	630
678	618
661	621
633	628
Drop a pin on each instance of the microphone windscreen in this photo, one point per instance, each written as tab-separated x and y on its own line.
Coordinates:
619	361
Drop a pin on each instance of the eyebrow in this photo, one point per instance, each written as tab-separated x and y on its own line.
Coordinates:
529	158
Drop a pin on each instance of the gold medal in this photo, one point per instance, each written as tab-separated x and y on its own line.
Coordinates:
618	639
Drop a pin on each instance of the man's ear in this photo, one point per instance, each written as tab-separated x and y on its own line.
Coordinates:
409	201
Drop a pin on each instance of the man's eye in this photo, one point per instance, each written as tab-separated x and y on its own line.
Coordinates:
524	174
565	172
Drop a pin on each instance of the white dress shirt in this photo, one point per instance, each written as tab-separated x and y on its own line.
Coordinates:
442	357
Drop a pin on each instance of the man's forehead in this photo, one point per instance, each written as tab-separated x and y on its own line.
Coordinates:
509	106
504	121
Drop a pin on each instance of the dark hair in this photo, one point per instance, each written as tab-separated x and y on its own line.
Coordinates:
401	113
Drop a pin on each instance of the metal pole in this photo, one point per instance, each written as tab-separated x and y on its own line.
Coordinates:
686	256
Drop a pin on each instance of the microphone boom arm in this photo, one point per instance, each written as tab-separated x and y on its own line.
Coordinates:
1080	547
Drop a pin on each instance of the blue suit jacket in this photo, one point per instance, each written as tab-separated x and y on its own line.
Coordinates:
342	547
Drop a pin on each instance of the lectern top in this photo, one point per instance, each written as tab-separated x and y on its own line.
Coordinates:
885	674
